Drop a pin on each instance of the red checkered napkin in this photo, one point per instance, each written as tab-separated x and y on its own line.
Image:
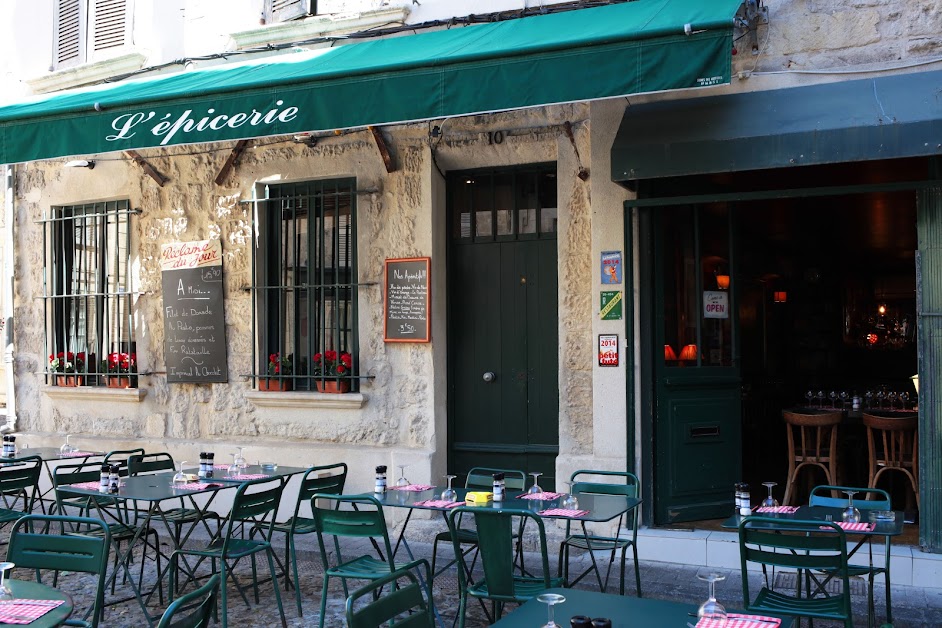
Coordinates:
787	510
563	512
439	503
197	486
544	496
416	488
86	486
853	527
735	620
249	476
77	454
26	611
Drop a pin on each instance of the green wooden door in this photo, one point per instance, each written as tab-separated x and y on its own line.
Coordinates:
503	338
697	422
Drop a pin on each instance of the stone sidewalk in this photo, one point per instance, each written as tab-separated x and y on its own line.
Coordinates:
912	606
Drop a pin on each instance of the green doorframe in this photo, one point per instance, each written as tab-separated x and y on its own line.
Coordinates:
929	357
629	277
929	326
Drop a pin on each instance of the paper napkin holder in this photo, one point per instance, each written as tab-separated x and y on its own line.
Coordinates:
478	498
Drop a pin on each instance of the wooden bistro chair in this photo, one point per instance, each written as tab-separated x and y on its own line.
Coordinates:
812	442
893	445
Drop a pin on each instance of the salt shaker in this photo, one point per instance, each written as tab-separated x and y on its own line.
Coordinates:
210	463
498	487
380	487
202	470
745	506
114	478
104	482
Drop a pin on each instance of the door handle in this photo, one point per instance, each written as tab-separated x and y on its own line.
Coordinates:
489	377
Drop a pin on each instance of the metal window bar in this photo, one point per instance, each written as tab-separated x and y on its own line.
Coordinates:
87	289
303	294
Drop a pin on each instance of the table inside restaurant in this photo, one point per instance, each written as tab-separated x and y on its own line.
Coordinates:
153	490
624	611
27	590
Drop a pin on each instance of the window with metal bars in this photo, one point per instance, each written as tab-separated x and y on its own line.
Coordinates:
305	300
90	332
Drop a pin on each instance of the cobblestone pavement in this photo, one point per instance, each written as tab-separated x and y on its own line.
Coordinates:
912	606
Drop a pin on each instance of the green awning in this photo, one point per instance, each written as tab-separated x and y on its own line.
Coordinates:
880	118
586	54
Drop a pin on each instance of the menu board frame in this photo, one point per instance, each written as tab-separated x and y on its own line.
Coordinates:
195	344
392	333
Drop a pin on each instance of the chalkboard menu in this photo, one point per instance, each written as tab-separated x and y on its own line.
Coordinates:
194	317
406	300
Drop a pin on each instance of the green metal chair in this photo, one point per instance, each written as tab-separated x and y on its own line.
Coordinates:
145	464
873	499
121	457
33	546
256	501
122	527
19	487
603	543
369	523
799	545
501	584
200	603
403	604
479	479
324	479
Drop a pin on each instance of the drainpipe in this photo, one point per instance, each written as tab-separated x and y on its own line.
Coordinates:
6	297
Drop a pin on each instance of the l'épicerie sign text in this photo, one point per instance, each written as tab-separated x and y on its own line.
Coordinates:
194	316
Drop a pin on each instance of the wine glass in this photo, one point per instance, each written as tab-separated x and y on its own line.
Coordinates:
844	396
402	481
449	494
235	468
833	397
810	397
535	489
821	397
179	478
868	396
769	502
551	600
891	397
240	459
569	501
881	397
850	514
711	609
66	448
904	399
6	595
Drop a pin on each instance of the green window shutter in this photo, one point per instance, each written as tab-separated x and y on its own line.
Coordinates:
69	33
284	10
109	24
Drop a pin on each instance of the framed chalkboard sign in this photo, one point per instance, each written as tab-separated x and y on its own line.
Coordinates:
194	316
407	300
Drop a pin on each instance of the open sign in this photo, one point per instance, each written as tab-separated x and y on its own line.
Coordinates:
715	304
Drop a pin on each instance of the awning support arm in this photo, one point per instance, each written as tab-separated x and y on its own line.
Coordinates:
146	167
231	161
383	149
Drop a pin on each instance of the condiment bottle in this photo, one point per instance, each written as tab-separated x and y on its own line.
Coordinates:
745	506
6	446
114	478
104	483
580	621
601	622
498	488
380	487
210	463
12	446
202	470
737	490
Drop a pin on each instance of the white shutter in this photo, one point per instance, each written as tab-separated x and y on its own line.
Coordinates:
109	24
284	10
69	33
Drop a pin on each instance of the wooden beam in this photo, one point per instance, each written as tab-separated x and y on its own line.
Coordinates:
146	167
383	148
231	161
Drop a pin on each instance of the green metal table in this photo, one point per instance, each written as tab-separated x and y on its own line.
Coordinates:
50	455
153	490
886	529
28	590
624	611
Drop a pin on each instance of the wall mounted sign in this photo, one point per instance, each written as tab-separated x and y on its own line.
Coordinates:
194	316
407	300
608	349
611	305
715	304
611	267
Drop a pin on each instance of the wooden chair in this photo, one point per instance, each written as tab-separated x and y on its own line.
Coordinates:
812	442
893	444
